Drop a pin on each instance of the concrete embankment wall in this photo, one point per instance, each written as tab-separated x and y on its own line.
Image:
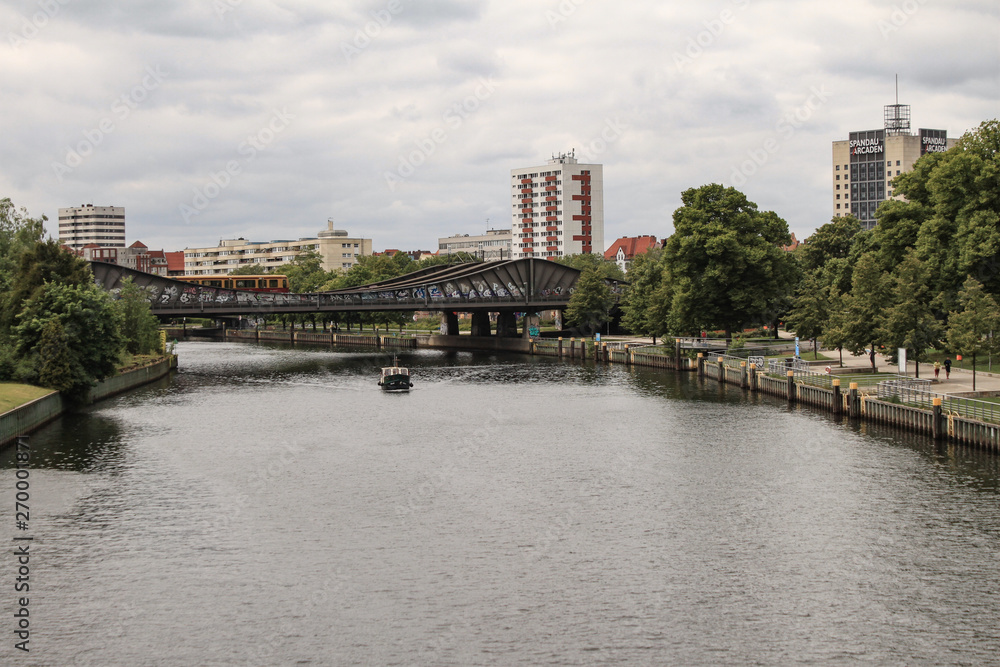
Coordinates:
856	405
22	420
320	338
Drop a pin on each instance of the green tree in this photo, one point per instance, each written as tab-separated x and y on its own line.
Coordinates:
725	262
44	262
864	308
92	329
590	302
139	327
55	369
831	241
644	277
971	330
810	313
18	233
250	270
305	273
586	260
909	322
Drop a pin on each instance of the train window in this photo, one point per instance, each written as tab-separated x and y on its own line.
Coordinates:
272	283
213	283
246	284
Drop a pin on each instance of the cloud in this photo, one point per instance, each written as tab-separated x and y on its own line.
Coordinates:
370	83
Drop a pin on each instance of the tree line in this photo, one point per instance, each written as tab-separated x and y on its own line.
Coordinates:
926	277
58	329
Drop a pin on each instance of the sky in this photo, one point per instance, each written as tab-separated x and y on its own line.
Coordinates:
400	120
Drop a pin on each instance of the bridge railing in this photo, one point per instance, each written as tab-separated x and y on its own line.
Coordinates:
332	301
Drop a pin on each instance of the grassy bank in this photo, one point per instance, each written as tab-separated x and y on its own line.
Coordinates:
13	395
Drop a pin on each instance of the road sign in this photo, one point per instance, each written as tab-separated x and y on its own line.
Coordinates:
759	361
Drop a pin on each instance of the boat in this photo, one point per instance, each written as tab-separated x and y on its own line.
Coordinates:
395	378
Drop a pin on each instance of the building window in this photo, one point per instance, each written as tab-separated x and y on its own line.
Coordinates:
838	178
897	172
897	163
838	167
838	196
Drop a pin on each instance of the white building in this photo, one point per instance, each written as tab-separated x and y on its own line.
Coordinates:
865	164
338	250
86	224
494	244
558	208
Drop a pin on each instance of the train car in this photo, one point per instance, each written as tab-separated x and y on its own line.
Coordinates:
261	283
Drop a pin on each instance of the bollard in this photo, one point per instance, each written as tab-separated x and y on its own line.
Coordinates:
701	364
722	369
936	430
572	348
838	401
677	353
853	404
607	358
628	358
791	387
744	384
560	347
753	378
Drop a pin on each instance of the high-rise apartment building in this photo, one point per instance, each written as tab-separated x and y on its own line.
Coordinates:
85	224
865	164
493	245
558	208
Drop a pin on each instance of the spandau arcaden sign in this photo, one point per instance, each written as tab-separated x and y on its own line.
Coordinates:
866	146
933	144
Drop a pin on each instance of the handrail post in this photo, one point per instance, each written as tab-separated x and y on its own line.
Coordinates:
791	386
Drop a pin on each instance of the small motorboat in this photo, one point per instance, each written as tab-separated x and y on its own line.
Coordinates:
395	378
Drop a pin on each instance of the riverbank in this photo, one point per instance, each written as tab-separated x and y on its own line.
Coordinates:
22	420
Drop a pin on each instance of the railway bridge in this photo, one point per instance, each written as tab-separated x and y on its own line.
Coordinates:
504	287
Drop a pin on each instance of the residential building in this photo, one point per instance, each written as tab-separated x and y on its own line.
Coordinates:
557	208
624	250
865	164
86	224
338	251
137	257
494	244
175	263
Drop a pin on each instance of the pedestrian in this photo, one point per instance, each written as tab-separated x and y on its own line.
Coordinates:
947	368
937	369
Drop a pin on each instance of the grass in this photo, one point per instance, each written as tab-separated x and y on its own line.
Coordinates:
13	395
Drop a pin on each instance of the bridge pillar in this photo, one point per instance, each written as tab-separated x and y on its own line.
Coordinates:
481	323
452	323
506	324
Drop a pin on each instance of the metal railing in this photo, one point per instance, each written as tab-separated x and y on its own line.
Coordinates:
916	395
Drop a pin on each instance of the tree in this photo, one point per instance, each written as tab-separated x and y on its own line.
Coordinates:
971	330
586	260
725	262
250	270
831	241
909	322
810	311
590	302
92	327
139	327
305	273
18	233
44	262
55	370
644	277
864	308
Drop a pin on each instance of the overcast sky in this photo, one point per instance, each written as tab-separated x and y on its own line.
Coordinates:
401	119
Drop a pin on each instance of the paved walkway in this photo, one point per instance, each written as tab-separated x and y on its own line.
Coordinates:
959	382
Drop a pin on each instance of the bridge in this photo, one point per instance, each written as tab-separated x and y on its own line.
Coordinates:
504	287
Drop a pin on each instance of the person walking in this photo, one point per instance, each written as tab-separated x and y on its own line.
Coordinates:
947	368
937	369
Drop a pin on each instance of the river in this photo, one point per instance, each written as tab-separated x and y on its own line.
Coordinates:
270	506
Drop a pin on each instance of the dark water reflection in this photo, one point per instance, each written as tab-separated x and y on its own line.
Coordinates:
269	505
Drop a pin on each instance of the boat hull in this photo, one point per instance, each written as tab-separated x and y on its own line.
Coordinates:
395	383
